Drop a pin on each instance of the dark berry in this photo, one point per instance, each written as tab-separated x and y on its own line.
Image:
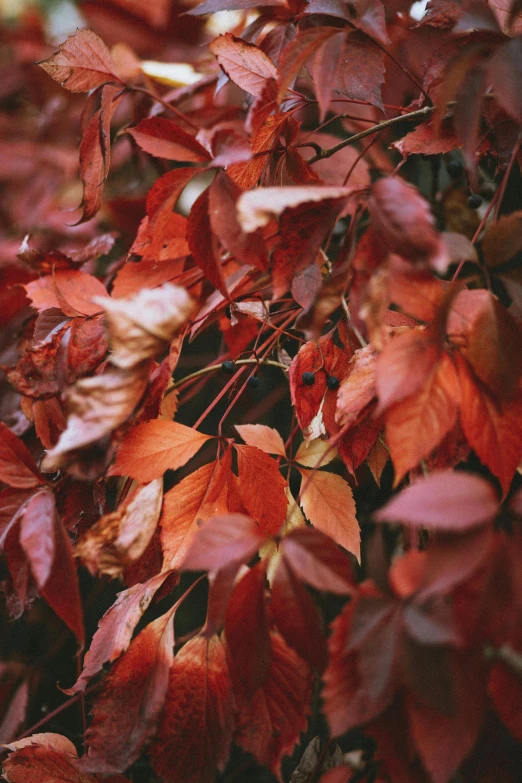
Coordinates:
308	378
454	168
253	382
474	201
228	367
332	382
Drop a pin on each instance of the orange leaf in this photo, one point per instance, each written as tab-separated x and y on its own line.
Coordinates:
195	731
493	430
82	63
416	426
67	288
262	488
262	437
328	503
194	499
151	448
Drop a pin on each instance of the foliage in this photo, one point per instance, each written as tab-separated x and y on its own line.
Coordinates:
277	344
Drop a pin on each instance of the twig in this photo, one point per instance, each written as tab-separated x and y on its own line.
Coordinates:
214	367
412	115
169	106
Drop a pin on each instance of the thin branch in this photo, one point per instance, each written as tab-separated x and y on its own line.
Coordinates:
214	367
412	115
168	106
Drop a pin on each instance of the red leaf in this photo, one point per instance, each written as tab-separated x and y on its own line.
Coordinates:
244	63
328	503
116	627
315	559
262	437
83	63
49	552
296	54
17	467
164	139
269	723
444	741
297	617
247	248
86	348
363	669
223	540
196	498
126	712
404	366
361	69
489	337
95	151
416	426
444	501
357	389
203	245
246	630
505	74
257	471
151	448
405	225
195	731
493	431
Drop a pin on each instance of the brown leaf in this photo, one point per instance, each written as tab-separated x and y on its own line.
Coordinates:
95	151
120	538
83	63
142	326
97	406
503	239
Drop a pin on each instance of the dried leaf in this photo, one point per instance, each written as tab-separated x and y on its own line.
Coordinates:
143	326
83	63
